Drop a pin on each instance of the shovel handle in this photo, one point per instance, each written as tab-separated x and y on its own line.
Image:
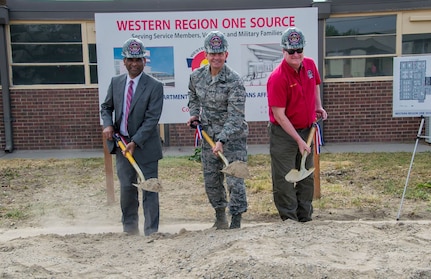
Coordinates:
127	154
309	140
129	157
311	135
211	142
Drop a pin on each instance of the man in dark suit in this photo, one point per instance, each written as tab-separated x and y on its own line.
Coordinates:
137	108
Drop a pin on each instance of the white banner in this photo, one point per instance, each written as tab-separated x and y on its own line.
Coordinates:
174	43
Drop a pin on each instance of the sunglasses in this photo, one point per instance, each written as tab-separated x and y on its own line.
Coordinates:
292	51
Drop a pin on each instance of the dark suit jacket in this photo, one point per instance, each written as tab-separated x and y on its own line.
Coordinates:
144	115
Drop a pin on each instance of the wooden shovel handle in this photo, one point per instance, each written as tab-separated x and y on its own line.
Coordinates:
309	140
311	134
211	142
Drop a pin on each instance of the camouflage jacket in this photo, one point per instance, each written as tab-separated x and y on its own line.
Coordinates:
219	102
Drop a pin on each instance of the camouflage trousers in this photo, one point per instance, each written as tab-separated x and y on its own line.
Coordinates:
214	179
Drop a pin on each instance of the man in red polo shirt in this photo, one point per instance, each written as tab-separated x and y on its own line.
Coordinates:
294	104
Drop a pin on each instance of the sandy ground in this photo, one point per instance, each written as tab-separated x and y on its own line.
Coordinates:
74	233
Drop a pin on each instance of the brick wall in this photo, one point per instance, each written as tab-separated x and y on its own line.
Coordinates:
358	112
362	112
69	118
56	119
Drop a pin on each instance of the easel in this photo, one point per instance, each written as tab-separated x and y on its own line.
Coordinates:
419	136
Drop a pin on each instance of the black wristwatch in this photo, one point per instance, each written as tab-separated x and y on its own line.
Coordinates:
222	141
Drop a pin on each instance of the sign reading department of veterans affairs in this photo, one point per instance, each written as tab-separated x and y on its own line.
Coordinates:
412	86
174	43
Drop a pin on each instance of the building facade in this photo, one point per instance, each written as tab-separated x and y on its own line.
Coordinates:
49	91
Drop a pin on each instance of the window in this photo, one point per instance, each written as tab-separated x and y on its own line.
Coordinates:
416	43
51	54
360	46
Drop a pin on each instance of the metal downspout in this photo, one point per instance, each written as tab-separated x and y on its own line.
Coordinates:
4	70
324	11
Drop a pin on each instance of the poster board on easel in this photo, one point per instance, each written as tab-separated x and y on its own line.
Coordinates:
412	97
412	86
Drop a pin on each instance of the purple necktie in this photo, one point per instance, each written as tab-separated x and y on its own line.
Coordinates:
129	100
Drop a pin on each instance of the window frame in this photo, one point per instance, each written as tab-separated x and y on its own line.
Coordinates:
88	37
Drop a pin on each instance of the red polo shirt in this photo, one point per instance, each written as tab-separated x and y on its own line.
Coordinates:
294	91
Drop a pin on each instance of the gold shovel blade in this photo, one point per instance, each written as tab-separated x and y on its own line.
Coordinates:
151	185
295	175
238	169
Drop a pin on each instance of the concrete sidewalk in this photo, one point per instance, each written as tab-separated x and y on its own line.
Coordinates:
351	147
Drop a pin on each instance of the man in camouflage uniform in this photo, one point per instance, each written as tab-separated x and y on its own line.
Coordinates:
217	99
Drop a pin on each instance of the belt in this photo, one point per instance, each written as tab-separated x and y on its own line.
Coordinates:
298	130
126	138
302	130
